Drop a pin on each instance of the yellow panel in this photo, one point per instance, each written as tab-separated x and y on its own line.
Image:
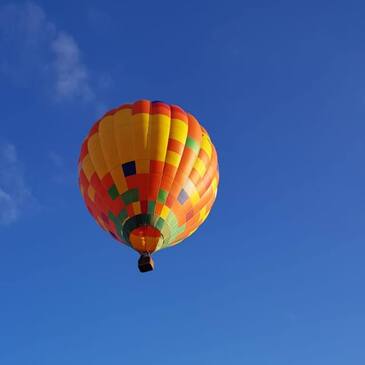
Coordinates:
137	207
96	156
179	130
140	135
195	198
164	212
143	166
159	136
202	213
119	180
214	184
206	215
108	142
173	158
123	129
206	145
88	167
200	167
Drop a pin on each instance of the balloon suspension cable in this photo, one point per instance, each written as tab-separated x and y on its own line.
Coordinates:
145	262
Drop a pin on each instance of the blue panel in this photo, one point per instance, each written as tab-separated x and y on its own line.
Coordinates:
129	168
182	196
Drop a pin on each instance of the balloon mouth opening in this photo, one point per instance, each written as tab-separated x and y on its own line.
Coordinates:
145	239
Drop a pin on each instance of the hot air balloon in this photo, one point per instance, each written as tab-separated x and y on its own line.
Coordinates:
148	173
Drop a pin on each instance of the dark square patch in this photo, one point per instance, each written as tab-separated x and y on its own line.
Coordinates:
129	168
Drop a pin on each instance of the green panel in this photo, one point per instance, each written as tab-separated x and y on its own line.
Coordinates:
162	196
116	221
151	206
113	192
165	230
154	219
122	215
112	217
171	219
191	143
160	223
176	231
130	196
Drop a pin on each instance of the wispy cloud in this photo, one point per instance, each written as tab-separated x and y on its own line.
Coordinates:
36	48
72	77
15	195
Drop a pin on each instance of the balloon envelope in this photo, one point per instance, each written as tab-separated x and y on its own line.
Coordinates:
148	173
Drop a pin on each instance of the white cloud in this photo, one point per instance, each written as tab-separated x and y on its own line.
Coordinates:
15	196
72	77
8	208
36	48
27	20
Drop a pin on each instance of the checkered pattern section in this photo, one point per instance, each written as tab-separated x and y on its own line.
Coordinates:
148	173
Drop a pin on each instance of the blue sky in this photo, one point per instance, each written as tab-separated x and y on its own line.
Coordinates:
276	274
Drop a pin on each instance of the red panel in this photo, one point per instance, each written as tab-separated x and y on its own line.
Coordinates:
166	182
141	106
110	112
158	208
130	210
144	206
160	108
141	182
96	183
94	129
178	113
154	186
146	231
84	182
175	146
116	206
189	214
169	170
107	181
194	131
134	181
170	200
84	150
156	167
